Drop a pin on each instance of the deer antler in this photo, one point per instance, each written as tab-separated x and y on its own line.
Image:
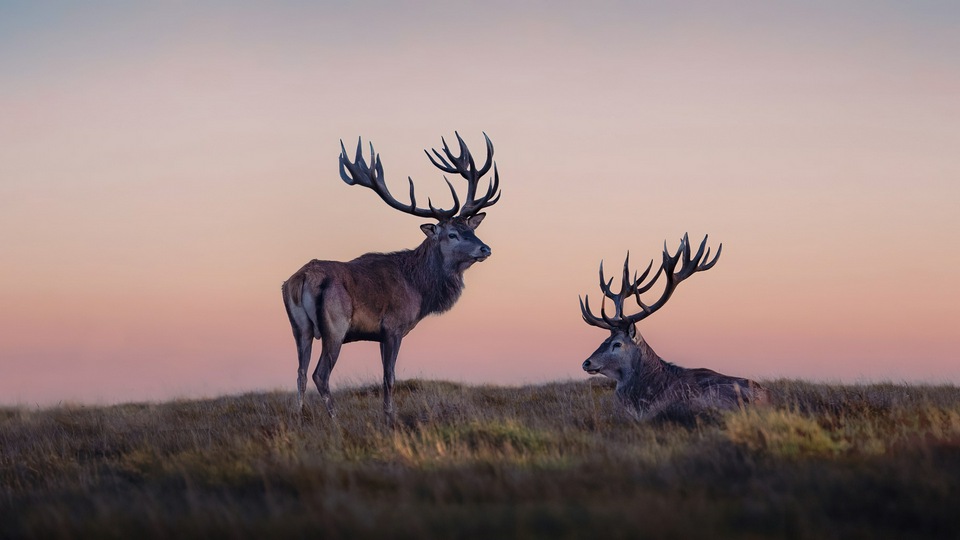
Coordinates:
465	166
372	177
635	287
627	288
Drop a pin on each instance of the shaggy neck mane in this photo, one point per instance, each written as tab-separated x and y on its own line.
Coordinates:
440	286
651	375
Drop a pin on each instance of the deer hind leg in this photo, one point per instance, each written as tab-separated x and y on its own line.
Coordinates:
333	317
389	348
303	335
304	348
330	350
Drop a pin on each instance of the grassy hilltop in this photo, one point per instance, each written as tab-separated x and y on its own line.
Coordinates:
554	460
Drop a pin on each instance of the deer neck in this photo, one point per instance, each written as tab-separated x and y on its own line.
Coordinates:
438	282
650	376
644	361
647	359
649	369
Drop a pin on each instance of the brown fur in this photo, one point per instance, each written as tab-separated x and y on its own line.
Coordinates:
295	287
382	296
647	385
378	297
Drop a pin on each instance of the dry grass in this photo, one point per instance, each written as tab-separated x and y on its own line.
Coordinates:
554	460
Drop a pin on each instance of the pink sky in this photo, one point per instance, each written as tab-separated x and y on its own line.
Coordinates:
163	170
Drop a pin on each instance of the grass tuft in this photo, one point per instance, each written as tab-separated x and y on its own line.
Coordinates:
783	435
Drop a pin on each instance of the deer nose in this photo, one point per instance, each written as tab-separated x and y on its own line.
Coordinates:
586	364
485	249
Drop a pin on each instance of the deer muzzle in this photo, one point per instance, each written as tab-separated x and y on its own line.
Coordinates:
485	252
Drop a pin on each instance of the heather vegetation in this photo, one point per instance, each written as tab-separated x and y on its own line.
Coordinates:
554	460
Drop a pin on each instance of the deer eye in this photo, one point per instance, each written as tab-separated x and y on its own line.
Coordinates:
617	345
452	235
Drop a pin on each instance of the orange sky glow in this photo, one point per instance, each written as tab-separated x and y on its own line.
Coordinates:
163	170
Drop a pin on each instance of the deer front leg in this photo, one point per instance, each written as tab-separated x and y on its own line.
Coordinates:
389	348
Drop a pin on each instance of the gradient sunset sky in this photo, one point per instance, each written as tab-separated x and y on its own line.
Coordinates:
164	167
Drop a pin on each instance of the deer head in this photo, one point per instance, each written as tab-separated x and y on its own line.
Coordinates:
618	355
453	233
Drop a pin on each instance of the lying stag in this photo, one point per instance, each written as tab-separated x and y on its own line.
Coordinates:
646	384
382	296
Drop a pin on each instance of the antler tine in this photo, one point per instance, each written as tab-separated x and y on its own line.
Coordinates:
372	177
588	315
627	288
603	312
668	267
638	289
493	188
689	264
604	284
708	265
489	161
465	156
490	198
466	167
359	172
443	165
440	214
462	164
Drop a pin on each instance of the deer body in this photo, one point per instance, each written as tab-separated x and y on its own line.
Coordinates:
646	384
382	296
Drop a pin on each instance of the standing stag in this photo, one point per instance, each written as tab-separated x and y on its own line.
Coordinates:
646	384
382	296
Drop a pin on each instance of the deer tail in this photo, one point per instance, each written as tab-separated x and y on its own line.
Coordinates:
293	289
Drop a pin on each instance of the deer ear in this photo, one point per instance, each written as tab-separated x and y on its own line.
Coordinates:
474	221
429	229
632	332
